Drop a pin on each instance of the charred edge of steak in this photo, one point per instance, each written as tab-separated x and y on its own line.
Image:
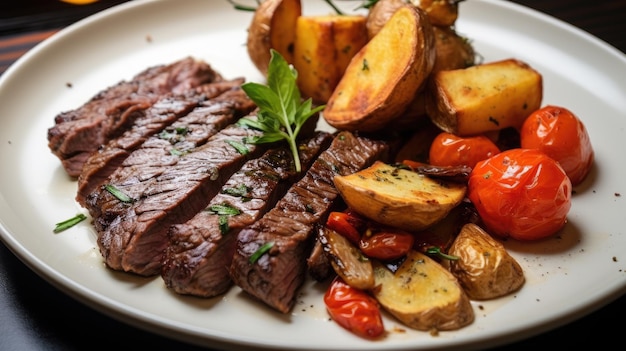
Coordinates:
224	97
164	188
79	132
288	228
200	251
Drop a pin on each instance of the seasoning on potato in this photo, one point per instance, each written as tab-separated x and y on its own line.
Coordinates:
483	98
423	294
399	197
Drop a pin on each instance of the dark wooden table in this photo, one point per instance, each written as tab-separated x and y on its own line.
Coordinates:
36	316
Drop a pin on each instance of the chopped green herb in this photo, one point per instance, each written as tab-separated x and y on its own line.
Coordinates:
68	223
118	193
436	251
223	224
241	148
281	112
240	190
260	252
224	209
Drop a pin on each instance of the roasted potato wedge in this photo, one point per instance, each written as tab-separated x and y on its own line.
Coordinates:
384	76
347	260
483	98
399	197
484	268
273	27
324	46
423	294
442	13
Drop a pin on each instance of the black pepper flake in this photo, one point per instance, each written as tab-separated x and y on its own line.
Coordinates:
618	194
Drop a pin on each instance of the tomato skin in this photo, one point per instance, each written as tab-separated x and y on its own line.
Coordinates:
354	309
521	193
387	245
347	224
448	149
561	135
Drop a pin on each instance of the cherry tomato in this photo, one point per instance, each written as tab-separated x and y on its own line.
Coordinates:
347	224
448	149
521	193
386	244
354	309
561	135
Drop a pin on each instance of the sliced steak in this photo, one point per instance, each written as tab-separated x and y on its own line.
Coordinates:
287	230
167	184
227	103
200	250
79	132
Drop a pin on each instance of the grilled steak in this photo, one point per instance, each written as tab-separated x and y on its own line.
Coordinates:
200	250
227	103
79	132
287	230
167	184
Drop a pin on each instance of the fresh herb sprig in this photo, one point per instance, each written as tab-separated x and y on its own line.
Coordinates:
282	113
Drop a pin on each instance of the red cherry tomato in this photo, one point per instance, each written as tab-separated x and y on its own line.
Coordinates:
387	244
354	309
521	193
561	135
347	224
448	149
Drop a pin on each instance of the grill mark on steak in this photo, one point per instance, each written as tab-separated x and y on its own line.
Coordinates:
166	189
79	132
277	275
227	103
200	250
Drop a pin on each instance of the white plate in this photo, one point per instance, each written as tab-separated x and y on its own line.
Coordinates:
568	276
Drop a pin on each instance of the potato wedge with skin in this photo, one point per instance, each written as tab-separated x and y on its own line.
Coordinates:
323	49
443	13
273	27
384	76
423	294
399	197
484	268
347	260
483	98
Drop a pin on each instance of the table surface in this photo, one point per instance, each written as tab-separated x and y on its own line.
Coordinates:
34	315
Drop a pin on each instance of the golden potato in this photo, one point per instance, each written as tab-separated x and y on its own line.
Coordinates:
443	13
484	268
483	98
440	12
399	197
423	294
384	76
324	46
273	27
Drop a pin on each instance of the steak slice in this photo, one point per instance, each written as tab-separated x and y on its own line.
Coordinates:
166	184
219	111
200	250
79	132
288	229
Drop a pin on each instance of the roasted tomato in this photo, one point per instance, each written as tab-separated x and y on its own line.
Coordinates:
561	135
448	149
386	244
354	309
347	224
521	193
